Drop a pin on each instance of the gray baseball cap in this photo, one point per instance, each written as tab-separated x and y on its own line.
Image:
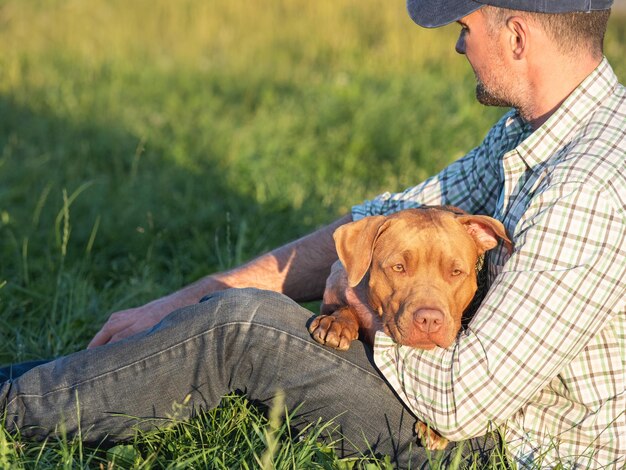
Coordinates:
434	13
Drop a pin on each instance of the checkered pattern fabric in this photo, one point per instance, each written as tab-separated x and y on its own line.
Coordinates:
544	358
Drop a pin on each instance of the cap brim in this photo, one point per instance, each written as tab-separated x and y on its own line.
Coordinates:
435	13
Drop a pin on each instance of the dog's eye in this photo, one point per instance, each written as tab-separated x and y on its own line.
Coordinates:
398	268
457	272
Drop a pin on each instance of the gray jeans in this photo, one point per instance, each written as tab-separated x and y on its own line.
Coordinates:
243	340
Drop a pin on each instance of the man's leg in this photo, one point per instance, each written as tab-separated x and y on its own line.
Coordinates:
13	371
241	339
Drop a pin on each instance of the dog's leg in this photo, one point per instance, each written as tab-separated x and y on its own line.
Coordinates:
429	438
336	330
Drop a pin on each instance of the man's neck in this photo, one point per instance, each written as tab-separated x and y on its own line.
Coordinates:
551	85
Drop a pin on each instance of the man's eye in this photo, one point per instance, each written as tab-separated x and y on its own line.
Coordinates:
399	268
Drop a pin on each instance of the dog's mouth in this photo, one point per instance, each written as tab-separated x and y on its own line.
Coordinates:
404	331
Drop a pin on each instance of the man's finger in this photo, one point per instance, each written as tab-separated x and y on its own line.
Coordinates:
114	325
102	337
121	335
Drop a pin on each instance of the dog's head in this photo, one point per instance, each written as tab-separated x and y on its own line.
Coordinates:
421	268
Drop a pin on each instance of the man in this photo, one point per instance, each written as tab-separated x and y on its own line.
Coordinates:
543	358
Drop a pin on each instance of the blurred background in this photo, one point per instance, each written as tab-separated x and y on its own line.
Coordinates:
144	144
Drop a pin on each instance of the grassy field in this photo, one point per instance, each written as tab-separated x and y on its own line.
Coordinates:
144	144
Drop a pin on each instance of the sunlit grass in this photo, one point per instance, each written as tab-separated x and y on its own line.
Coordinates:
144	144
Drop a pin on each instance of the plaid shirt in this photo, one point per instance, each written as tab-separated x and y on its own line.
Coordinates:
544	357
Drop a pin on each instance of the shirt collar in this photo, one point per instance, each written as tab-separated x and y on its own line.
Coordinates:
577	108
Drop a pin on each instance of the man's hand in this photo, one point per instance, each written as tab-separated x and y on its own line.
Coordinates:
131	321
338	294
128	322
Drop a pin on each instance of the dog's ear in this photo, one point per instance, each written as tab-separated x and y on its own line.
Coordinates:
485	231
355	245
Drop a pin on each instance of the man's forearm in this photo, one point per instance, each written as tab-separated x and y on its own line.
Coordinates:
298	270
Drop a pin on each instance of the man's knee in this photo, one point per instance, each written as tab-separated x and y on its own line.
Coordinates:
254	306
246	295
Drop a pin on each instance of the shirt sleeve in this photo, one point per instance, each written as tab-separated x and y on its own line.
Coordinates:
471	183
559	289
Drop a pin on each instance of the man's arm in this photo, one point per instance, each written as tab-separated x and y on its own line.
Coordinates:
298	270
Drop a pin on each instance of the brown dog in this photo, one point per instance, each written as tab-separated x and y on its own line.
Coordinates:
416	268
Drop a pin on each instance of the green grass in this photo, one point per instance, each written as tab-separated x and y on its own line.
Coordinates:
144	144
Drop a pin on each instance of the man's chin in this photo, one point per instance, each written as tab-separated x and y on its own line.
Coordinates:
487	98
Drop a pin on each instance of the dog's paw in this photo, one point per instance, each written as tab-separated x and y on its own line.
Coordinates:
429	438
337	330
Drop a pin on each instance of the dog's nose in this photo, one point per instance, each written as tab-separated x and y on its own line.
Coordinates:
428	320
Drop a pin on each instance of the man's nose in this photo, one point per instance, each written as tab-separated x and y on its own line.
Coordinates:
460	43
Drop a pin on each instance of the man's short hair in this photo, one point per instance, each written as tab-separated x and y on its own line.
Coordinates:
572	32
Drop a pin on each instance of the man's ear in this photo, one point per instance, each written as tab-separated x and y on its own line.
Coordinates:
485	231
518	36
355	245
